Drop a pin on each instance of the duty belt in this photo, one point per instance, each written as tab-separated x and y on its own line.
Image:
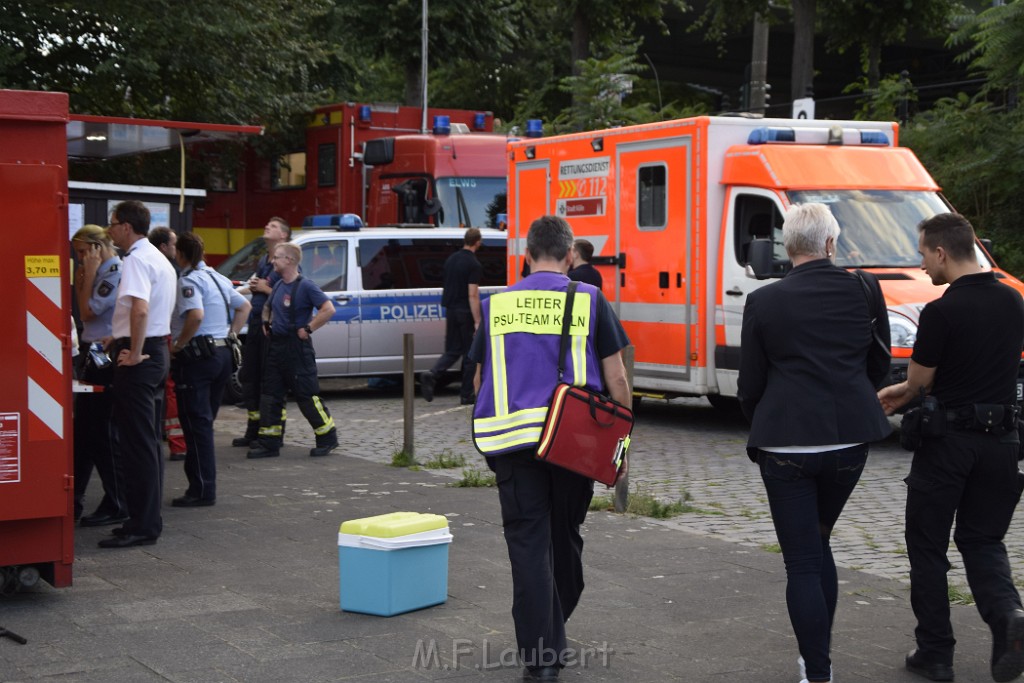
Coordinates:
983	417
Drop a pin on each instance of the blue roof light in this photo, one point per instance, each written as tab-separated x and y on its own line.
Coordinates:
442	125
760	136
344	222
479	120
873	137
364	113
534	128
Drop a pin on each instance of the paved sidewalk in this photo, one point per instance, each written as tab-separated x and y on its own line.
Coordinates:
248	590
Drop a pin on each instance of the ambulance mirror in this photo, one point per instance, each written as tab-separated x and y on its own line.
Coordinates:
759	259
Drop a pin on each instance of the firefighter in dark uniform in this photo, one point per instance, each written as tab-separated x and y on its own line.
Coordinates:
250	375
207	311
542	506
289	323
966	359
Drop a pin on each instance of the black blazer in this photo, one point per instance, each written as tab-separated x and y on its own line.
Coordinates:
809	365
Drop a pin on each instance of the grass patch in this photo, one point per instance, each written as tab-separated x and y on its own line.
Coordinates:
771	547
643	504
402	459
445	460
475	478
959	595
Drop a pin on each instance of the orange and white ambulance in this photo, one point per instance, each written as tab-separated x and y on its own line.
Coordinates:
672	209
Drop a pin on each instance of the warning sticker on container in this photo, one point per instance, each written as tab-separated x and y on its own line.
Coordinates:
10	448
46	265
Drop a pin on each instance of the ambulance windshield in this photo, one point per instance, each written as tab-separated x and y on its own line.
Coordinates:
471	202
879	227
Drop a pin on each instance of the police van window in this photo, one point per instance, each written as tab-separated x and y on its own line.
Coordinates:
757	217
326	263
418	263
326	165
651	197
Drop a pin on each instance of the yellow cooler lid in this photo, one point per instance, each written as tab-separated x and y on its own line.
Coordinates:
394	524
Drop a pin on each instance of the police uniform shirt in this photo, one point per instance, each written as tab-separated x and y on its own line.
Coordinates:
101	303
973	336
145	274
297	299
201	288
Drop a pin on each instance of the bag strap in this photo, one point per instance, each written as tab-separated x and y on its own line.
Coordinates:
872	310
563	347
227	307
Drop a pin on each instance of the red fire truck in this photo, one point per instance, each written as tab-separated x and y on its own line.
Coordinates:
371	160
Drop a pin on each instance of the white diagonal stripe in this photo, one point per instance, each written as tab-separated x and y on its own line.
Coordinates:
50	286
45	342
46	408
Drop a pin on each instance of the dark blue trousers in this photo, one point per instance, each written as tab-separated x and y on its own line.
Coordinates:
199	385
806	494
96	442
458	337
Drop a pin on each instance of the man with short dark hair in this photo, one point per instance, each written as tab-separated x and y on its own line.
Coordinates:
582	271
140	326
967	357
461	300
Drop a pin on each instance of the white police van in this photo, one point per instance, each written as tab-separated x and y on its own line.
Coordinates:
384	282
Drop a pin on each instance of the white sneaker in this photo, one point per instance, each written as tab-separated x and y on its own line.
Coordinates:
803	671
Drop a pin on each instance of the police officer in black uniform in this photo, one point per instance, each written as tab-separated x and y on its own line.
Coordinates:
207	311
966	359
250	374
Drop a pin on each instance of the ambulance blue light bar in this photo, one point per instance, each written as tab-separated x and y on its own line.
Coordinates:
833	135
342	222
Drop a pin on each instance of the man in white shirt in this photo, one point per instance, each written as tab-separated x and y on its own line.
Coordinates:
141	323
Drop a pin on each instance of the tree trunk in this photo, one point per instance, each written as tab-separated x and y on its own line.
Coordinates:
580	44
804	12
413	84
759	65
874	64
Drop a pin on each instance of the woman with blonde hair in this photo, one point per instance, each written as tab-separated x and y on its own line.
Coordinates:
96	280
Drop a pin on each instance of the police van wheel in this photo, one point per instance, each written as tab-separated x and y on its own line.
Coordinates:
233	390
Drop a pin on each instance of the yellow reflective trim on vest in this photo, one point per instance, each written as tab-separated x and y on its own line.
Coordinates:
520	437
499	377
579	359
537	312
517	419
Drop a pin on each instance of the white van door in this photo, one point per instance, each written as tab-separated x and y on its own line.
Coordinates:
326	262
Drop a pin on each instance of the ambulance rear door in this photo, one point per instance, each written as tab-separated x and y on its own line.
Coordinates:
532	187
653	224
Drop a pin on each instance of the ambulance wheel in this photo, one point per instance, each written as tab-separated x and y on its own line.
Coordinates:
727	404
232	390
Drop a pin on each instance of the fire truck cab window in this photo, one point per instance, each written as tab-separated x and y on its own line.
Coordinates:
651	197
289	170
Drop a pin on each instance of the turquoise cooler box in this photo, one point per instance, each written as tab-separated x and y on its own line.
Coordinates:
394	563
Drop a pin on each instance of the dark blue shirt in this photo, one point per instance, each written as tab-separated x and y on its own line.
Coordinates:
292	305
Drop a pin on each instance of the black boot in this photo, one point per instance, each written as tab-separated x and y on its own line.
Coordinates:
252	429
325	444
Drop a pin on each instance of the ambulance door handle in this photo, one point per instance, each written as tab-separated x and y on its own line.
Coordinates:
679	280
663	279
735	291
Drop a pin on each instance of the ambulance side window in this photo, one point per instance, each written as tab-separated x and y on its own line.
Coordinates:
652	197
757	218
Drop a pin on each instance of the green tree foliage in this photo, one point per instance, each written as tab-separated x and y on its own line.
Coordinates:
994	42
975	150
239	61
